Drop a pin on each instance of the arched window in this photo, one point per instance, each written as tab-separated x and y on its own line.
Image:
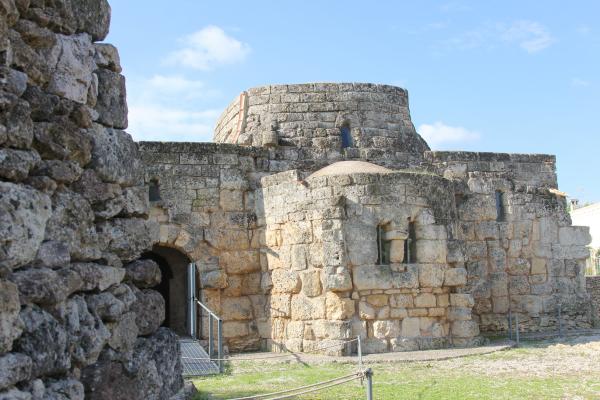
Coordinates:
346	136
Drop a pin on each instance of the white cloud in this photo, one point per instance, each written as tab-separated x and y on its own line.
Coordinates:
439	133
156	122
578	82
530	35
208	48
171	108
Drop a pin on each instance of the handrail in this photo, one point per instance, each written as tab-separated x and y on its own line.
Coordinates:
211	350
208	310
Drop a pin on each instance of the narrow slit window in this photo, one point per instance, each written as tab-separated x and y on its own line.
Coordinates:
500	212
154	191
383	247
410	245
346	135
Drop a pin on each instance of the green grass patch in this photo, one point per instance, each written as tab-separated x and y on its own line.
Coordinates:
395	381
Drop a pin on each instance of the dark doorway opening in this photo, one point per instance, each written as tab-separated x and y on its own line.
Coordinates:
173	286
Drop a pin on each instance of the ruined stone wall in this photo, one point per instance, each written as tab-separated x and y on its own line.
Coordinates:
207	210
593	289
306	120
321	248
530	261
77	315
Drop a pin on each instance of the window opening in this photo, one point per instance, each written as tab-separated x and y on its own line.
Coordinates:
410	245
154	191
383	247
346	136
500	212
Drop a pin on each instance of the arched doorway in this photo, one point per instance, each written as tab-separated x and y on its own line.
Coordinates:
173	287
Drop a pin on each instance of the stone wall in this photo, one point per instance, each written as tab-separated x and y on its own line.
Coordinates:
532	259
207	210
307	118
322	256
593	289
77	315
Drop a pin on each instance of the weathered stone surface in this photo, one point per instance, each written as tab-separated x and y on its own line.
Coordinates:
127	238
431	275
15	165
67	389
45	341
213	280
72	223
14	368
306	308
40	286
72	60
10	323
285	281
455	277
115	156
16	126
239	308
123	333
107	56
52	254
143	273
24	213
106	306
96	276
111	104
86	332
372	277
149	310
15	394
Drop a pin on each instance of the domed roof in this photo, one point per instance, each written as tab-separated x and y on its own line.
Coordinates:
351	167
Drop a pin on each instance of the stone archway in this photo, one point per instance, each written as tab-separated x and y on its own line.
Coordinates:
173	287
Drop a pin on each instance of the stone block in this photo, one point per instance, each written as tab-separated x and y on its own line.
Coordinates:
14	368
239	262
401	300
431	251
337	280
459	313
538	266
411	327
366	311
386	329
232	329
236	308
231	200
372	277
574	236
425	300
325	329
462	300
397	251
455	277
464	329
378	300
285	281
409	279
305	308
374	346
404	344
311	282
431	275
338	308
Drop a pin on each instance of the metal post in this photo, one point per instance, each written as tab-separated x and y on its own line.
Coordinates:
211	350
359	351
191	300
509	324
517	328
369	375
560	320
220	343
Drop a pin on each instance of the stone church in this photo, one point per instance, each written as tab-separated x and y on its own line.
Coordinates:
318	214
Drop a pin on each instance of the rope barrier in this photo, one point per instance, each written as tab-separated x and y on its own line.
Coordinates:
353	376
290	354
305	389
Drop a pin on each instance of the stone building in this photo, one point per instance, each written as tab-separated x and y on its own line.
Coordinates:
317	215
320	214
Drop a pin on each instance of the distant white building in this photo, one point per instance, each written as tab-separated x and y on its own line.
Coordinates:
590	216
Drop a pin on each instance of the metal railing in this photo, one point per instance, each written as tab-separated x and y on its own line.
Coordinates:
211	316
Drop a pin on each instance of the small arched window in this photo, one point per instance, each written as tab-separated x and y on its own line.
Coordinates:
346	136
154	190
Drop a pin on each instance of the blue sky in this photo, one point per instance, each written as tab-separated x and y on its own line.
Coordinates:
510	76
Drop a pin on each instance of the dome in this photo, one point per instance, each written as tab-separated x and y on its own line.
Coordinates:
351	167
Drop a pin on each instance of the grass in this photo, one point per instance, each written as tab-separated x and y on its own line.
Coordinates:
472	377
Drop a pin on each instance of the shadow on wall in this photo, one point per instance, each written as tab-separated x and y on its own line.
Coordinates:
173	267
